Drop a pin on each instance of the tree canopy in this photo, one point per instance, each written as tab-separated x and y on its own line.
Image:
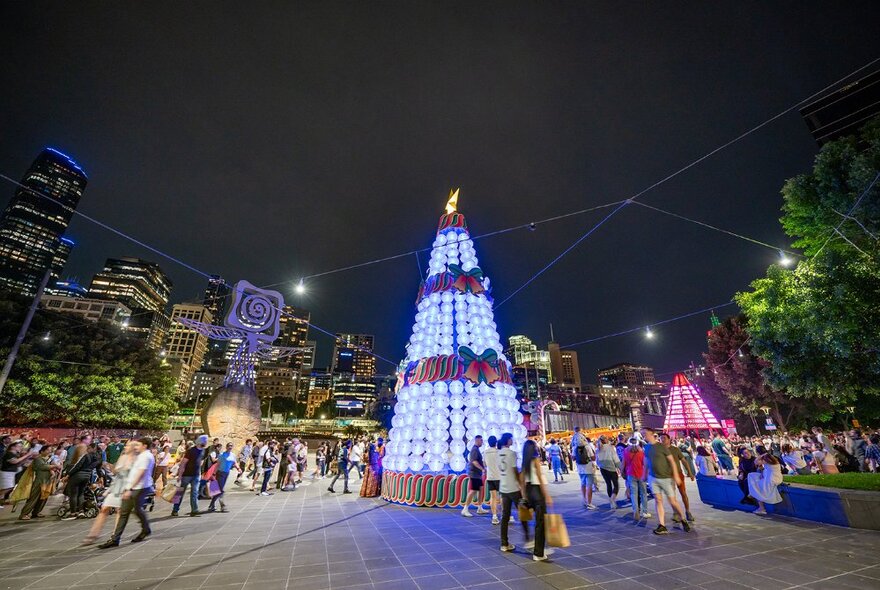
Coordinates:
84	374
818	325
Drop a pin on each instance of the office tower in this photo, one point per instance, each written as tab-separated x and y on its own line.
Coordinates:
145	288
275	381
844	110
185	348
216	299
90	310
294	331
34	221
139	284
204	383
68	288
626	375
524	353
565	368
352	356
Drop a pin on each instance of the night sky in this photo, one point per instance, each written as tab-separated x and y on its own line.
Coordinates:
269	141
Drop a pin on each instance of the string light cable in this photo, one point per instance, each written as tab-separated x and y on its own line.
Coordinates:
653	324
685	168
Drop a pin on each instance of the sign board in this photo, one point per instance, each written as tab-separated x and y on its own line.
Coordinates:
770	425
729	426
350	404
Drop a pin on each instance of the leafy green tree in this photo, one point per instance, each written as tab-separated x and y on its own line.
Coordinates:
740	376
327	408
287	406
75	373
818	325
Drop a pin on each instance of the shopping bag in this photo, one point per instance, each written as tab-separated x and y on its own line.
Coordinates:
557	534
214	488
172	493
524	513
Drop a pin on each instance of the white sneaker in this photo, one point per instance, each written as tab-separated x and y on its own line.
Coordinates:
592	507
508	548
761	512
529	545
646	515
466	513
265	494
482	510
495	520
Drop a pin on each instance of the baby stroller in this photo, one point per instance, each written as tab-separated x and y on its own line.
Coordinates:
93	498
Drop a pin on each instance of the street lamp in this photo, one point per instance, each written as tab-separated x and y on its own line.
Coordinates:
300	287
784	260
47	336
648	333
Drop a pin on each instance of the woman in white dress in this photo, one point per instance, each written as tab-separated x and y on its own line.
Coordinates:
113	498
824	459
763	484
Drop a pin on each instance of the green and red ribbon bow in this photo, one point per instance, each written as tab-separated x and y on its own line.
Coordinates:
467	281
480	368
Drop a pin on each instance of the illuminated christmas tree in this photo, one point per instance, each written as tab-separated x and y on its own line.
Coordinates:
686	410
454	383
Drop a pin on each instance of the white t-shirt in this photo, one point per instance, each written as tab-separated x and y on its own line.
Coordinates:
490	459
356	453
147	462
163	457
509	483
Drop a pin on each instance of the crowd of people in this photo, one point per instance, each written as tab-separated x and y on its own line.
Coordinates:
108	475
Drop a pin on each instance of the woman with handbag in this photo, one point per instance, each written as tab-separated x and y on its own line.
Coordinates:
42	485
113	499
537	497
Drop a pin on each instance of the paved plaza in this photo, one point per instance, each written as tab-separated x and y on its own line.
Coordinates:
310	539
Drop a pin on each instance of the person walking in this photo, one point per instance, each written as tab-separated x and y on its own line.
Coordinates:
476	470
685	468
341	467
662	474
113	498
585	460
244	456
43	474
270	459
257	455
510	488
634	470
225	463
537	497
189	475
10	464
163	459
320	462
609	466
139	486
355	458
493	475
79	477
554	453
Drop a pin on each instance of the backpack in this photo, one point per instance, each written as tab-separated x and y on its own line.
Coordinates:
343	456
582	455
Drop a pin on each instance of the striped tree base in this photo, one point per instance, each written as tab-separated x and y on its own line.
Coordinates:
434	490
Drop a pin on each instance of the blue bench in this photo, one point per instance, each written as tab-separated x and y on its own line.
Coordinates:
850	508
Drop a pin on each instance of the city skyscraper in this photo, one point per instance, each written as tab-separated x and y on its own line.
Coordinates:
352	356
216	299
185	347
139	284
626	375
522	352
564	364
32	225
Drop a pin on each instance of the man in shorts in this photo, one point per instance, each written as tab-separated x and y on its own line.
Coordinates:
663	475
585	459
476	469
493	476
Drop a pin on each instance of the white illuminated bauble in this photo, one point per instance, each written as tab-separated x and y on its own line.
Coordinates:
456	387
440	388
418	448
455	400
457	447
426	389
439	402
440	240
416	462
520	431
457	463
436	464
456	416
457	431
404	447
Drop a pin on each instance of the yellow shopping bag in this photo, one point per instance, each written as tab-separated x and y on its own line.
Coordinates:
556	532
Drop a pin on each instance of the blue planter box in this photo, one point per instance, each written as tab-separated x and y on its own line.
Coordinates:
850	508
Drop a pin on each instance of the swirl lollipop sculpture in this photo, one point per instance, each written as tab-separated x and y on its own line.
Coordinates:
252	319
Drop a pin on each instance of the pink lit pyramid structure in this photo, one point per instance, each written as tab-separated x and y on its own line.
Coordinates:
686	410
454	383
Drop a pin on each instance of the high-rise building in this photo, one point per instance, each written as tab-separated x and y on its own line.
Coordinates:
145	288
844	110
216	299
34	222
137	283
68	288
531	383
185	348
294	331
204	383
352	356
523	352
626	375
276	381
565	368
